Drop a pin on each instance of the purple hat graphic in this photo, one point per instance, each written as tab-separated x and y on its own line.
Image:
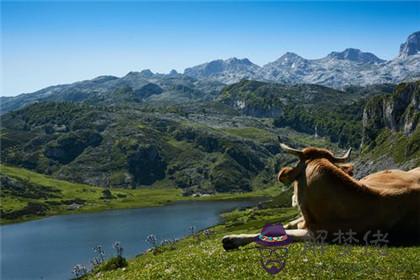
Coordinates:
273	235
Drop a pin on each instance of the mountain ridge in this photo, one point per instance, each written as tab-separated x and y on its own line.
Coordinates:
350	67
338	69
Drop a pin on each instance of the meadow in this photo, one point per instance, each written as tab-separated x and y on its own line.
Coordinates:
203	257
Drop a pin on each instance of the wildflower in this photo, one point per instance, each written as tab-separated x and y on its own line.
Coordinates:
152	240
100	255
118	248
79	270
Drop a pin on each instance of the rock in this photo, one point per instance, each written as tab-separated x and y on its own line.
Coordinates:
146	165
411	46
356	55
229	71
398	112
74	206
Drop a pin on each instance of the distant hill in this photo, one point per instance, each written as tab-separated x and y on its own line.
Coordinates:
311	109
198	148
135	88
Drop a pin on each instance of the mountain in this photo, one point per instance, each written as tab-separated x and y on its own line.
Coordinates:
356	55
307	108
228	144
199	149
337	69
349	67
227	71
135	87
411	46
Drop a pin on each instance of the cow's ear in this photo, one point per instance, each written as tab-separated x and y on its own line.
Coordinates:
288	175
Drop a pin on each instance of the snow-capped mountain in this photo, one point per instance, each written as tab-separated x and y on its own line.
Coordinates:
356	55
337	69
227	71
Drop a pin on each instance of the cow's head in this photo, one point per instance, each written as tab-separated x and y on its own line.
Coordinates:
288	174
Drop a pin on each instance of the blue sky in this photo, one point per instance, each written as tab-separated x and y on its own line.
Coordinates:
47	43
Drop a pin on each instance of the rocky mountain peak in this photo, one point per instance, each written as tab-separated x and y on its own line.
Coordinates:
411	46
104	78
237	61
143	74
228	71
146	73
173	72
290	56
355	55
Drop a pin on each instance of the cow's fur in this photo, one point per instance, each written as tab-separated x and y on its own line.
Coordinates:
331	200
299	223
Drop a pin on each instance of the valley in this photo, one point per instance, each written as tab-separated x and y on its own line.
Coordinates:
63	157
209	140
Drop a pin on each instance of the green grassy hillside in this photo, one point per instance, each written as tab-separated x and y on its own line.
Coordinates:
27	195
131	147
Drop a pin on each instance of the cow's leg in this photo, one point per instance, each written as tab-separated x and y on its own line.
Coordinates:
235	241
298	235
302	224
294	223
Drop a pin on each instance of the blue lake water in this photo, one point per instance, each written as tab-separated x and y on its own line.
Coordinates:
49	248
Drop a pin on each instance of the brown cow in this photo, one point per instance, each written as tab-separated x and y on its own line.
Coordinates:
332	200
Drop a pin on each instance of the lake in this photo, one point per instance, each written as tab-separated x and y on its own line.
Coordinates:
49	248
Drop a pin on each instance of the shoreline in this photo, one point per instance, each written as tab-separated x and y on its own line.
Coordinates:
257	195
92	199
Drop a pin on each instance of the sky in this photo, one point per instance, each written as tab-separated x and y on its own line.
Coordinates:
56	42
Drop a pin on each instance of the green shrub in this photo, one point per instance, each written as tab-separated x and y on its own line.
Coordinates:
113	263
106	194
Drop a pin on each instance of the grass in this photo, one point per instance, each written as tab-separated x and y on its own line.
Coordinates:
206	259
92	195
398	146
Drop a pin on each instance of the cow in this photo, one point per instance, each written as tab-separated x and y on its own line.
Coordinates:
332	201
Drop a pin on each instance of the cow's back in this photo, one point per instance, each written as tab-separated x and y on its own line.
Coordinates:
393	182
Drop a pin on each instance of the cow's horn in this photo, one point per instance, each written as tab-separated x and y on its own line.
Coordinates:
289	150
344	158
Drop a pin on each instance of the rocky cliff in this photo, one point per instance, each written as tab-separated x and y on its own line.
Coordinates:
391	134
398	112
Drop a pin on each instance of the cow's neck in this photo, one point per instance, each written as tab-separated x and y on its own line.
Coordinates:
326	193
